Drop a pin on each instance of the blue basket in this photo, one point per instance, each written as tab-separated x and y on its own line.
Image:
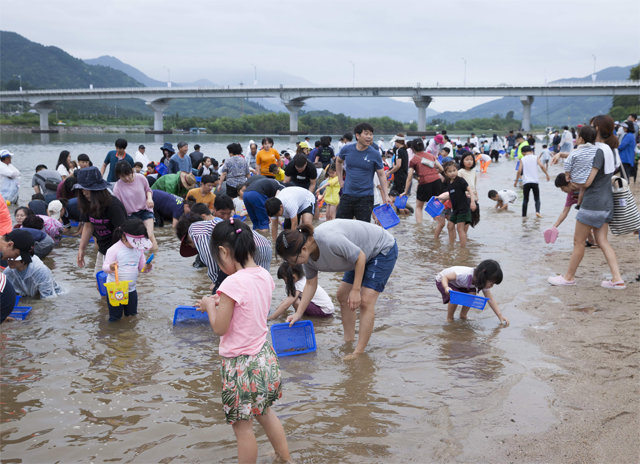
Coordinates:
73	223
101	278
237	217
401	202
188	313
386	216
161	169
434	207
20	312
297	339
466	299
17	300
198	179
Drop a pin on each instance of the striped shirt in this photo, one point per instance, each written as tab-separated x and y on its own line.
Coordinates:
200	234
295	200
579	163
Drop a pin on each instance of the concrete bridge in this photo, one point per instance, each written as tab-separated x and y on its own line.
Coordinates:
293	98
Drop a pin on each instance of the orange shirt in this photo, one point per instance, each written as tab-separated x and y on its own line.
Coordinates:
207	199
6	225
264	159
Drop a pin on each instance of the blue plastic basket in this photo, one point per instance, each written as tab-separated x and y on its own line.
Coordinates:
20	312
401	202
297	339
237	217
161	169
466	299
434	207
17	300
198	179
73	223
386	216
188	313
101	278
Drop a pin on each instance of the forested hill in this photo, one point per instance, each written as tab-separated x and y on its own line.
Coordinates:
41	67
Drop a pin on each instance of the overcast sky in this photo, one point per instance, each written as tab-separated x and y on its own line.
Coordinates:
324	41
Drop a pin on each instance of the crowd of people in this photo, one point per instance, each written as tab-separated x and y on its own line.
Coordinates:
207	203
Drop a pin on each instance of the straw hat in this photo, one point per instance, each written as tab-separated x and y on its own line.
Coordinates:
188	180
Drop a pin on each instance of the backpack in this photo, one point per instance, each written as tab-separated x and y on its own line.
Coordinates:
49	184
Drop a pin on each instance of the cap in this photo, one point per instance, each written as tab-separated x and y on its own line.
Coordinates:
304	145
5	153
186	249
54	209
439	139
141	147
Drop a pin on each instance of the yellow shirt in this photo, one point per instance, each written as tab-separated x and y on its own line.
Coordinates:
207	199
264	159
332	192
280	175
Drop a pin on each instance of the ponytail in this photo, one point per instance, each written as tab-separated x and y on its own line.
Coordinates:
290	242
286	272
235	236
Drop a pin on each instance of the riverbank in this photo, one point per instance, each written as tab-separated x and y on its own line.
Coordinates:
593	335
78	129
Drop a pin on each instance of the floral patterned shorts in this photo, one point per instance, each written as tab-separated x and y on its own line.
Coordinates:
250	384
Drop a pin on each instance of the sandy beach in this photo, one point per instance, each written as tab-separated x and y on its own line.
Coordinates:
594	336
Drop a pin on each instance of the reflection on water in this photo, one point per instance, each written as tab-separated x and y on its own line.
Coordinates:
75	388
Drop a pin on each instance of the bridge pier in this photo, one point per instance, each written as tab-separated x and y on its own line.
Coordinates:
294	107
43	109
526	112
422	103
158	107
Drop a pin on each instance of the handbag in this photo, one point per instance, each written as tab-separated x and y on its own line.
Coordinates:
626	218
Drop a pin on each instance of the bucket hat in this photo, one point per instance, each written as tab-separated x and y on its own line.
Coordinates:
90	179
167	146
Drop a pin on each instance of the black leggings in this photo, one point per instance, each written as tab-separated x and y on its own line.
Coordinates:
536	197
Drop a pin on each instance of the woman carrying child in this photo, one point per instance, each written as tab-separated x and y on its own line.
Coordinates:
126	258
294	280
470	280
238	312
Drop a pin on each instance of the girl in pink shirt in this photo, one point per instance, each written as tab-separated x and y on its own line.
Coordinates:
238	313
133	191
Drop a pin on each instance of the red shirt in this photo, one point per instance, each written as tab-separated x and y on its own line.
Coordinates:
426	173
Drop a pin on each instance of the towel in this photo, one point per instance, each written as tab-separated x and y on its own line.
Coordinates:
611	160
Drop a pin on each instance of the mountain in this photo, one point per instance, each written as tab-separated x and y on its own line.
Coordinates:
42	67
546	111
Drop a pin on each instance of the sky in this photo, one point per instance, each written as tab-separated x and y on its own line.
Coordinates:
337	42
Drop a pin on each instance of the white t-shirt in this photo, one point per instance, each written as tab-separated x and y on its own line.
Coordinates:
507	196
321	298
295	200
529	169
64	172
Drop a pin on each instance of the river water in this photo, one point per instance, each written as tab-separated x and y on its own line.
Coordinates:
75	388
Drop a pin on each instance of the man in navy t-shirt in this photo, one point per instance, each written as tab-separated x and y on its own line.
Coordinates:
113	157
167	207
362	162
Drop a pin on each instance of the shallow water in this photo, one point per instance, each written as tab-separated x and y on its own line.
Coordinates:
75	388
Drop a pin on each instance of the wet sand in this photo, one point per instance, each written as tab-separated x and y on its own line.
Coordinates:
594	337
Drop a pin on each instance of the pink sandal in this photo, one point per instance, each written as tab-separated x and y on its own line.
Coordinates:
614	285
560	281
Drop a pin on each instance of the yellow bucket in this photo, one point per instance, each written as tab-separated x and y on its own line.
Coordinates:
118	291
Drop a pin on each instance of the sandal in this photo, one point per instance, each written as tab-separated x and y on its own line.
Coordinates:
560	281
614	285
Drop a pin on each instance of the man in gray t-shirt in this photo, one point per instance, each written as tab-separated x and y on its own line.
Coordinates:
44	180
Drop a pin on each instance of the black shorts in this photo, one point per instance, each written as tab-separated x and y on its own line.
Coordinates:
426	191
308	209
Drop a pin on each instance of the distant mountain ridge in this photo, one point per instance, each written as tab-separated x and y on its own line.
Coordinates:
548	110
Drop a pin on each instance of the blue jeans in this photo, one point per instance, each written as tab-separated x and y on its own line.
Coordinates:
254	202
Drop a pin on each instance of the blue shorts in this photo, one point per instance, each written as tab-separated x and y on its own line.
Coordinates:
377	270
143	214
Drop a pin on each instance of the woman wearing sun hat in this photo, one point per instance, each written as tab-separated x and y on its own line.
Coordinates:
100	211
